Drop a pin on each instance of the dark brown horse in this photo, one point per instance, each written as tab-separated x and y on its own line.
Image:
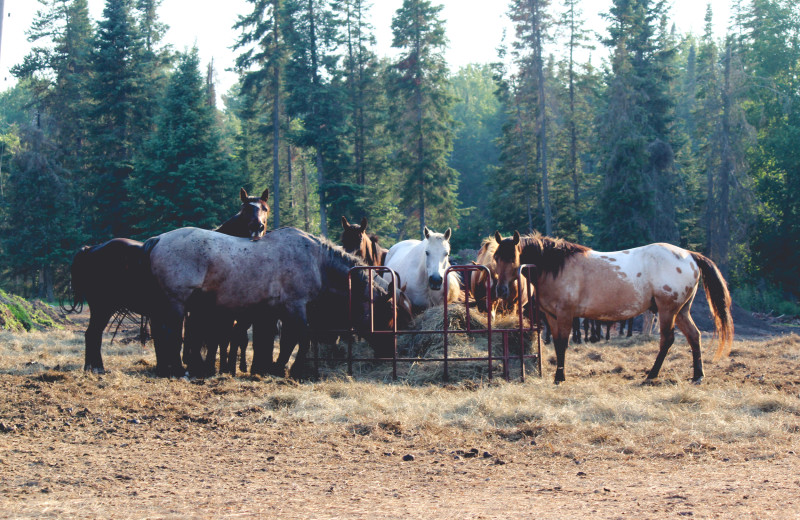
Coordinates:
111	277
286	273
251	221
356	241
573	280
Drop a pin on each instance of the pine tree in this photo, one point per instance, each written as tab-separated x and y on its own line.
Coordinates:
182	177
261	65
769	50
575	108
119	117
316	94
419	93
637	201
42	219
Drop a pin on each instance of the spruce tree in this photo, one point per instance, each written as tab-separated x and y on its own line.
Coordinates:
182	177
421	99
637	157
119	122
264	50
316	94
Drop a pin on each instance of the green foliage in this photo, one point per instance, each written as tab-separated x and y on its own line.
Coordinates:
478	120
419	113
182	178
765	298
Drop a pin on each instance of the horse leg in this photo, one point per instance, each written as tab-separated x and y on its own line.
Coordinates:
630	328
193	337
576	330
667	326
608	330
238	341
264	330
98	319
689	329
167	344
562	327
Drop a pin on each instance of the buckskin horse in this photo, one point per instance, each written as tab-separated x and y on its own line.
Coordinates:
285	273
477	282
573	280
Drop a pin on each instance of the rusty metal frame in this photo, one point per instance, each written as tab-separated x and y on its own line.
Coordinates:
533	327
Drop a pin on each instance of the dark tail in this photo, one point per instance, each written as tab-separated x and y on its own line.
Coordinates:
78	280
719	301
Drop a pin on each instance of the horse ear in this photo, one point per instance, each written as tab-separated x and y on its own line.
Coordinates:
497	237
345	223
516	237
265	195
243	195
403	287
447	234
426	232
363	224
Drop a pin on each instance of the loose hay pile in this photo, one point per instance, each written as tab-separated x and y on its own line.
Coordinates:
427	346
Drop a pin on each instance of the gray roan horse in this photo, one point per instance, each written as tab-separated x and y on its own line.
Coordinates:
291	275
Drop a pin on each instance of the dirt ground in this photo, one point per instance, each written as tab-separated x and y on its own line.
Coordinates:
128	445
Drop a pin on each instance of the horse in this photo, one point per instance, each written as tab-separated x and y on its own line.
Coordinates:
574	280
356	241
112	276
421	265
477	282
286	273
251	221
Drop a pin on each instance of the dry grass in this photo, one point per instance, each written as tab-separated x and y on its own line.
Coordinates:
55	419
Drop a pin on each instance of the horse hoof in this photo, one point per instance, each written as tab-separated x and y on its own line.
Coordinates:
697	381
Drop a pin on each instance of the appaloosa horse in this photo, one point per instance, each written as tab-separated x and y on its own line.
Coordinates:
573	280
286	273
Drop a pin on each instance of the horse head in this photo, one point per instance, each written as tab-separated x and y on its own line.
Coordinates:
254	213
437	254
354	238
506	259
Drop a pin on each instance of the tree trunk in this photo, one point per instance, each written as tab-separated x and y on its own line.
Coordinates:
548	212
726	169
276	135
306	221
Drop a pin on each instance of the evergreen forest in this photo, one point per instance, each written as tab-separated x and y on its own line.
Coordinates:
691	139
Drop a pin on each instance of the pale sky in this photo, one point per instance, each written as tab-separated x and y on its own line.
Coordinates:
474	28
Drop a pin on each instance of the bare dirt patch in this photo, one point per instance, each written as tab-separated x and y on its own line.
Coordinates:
128	445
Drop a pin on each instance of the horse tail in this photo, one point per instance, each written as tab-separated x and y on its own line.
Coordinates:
80	277
719	301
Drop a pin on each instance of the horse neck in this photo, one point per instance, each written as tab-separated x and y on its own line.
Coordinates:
233	227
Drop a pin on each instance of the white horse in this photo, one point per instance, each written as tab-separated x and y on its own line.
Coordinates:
421	266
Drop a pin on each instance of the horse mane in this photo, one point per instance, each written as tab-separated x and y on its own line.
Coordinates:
338	262
488	247
548	253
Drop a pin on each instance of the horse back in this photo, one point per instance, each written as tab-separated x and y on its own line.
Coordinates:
115	274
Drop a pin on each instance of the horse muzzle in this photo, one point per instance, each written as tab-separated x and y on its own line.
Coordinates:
435	282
